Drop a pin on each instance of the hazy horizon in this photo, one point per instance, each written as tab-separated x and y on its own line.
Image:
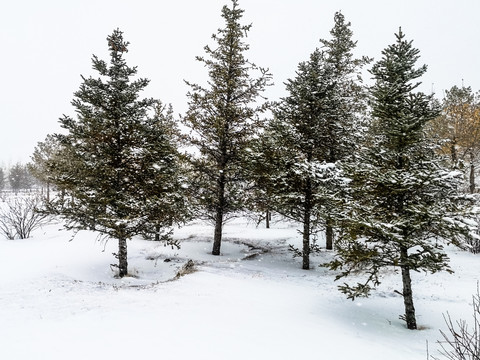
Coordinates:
47	46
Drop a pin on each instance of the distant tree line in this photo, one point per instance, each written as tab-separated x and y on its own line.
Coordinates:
364	165
18	178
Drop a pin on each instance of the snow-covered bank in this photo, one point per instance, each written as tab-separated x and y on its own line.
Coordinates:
58	300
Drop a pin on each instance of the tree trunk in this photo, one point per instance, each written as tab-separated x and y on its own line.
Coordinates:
453	153
306	242
267	219
407	291
306	227
329	235
217	238
122	256
472	177
157	232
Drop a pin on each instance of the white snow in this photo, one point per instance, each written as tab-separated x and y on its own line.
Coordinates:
59	300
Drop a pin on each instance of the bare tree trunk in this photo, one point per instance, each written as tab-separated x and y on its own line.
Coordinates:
217	238
407	291
306	227
472	175
329	235
267	219
306	241
453	153
122	256
157	232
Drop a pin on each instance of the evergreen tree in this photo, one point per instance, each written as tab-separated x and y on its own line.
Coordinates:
164	188
345	122
223	117
118	167
42	156
302	187
316	126
404	200
265	167
20	178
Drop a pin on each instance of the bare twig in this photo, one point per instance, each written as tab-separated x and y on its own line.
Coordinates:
462	342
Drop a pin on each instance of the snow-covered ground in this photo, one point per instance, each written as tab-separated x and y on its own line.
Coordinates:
60	300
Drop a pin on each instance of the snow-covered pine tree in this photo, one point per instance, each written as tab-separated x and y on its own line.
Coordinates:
404	201
316	122
346	119
301	122
117	169
266	167
164	188
222	119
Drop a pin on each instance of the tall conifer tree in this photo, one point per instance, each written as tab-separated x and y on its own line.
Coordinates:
316	125
345	124
301	122
405	201
120	167
223	117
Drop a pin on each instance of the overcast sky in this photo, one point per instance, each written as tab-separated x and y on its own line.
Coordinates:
46	45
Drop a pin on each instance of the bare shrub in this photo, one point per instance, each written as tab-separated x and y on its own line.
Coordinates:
6	229
462	342
19	217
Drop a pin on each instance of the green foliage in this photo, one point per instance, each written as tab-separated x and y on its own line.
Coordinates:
223	118
44	152
165	184
403	201
20	178
118	169
314	128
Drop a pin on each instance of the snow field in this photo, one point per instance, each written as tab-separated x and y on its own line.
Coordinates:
59	299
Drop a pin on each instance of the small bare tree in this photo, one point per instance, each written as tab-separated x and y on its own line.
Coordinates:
462	342
19	217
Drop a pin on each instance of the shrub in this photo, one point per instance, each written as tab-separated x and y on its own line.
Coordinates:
462	342
19	217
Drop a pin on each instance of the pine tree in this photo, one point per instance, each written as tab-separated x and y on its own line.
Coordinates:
42	156
301	121
222	118
20	178
404	201
316	123
346	119
165	179
117	168
265	168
